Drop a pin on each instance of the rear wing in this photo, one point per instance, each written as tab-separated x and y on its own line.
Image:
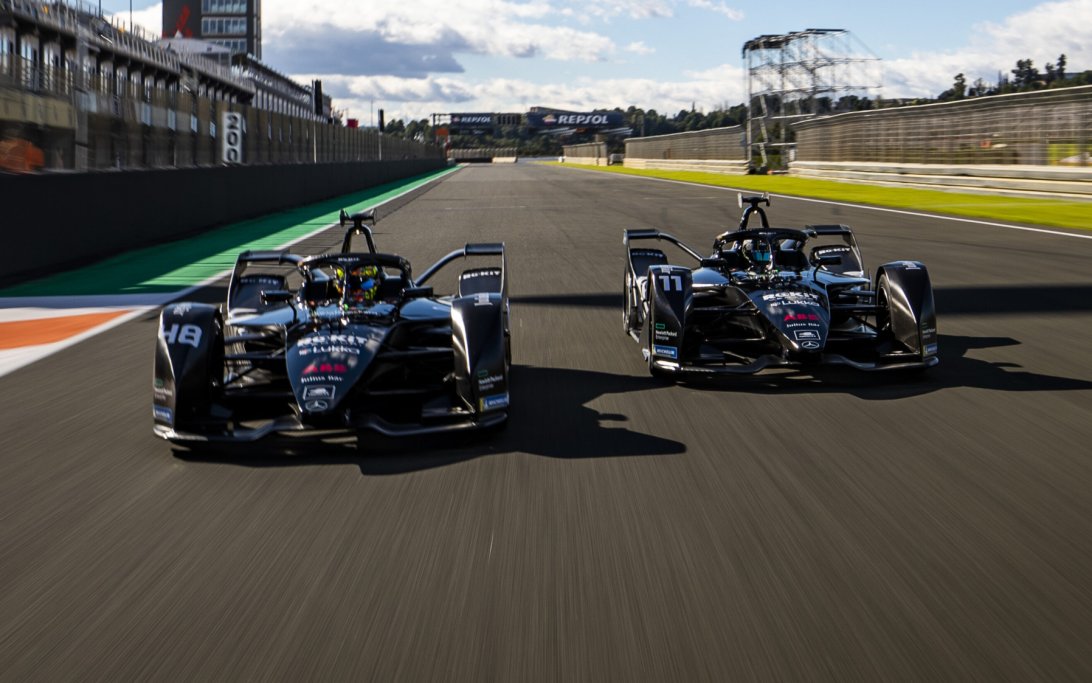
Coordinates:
245	289
650	234
499	277
837	229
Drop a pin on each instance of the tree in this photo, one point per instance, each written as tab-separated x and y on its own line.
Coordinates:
1025	75
979	88
958	90
1061	67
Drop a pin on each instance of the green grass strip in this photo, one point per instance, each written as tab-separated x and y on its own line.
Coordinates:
176	265
1058	213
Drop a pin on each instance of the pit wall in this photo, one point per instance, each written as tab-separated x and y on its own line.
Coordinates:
62	220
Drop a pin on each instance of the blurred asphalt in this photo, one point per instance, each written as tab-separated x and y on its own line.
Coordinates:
844	527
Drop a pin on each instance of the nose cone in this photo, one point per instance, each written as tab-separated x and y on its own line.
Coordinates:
324	366
798	316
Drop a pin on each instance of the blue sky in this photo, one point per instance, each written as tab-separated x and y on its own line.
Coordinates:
417	57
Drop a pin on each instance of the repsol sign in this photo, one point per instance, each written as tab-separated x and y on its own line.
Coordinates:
471	120
579	120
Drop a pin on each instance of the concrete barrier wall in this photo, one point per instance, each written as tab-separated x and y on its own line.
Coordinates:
1026	181
703	165
62	220
586	161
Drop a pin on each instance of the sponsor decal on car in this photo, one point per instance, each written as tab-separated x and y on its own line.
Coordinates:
259	280
661	332
790	316
803	298
181	309
667	351
182	334
803	335
163	414
493	402
318	391
488	381
333	340
809	345
930	349
492	272
317	405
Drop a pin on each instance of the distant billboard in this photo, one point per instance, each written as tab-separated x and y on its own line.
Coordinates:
471	122
592	119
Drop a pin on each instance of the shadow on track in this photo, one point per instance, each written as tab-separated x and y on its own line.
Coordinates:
548	418
956	369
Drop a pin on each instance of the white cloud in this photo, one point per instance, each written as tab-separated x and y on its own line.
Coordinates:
418	98
718	7
485	27
639	48
1041	33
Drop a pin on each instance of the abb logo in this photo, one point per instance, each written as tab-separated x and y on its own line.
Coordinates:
336	368
800	316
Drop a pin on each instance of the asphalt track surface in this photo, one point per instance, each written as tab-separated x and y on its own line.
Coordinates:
786	527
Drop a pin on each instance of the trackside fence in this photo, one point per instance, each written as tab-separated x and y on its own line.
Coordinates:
719	150
1042	128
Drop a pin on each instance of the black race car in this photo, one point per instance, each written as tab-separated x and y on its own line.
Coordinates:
336	344
775	297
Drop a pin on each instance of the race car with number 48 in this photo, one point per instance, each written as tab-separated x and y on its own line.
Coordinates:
334	344
770	297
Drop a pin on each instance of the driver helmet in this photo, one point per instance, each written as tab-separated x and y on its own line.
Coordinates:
760	254
363	284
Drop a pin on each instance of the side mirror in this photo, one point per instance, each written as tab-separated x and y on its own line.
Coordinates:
343	218
276	296
417	292
828	260
712	262
318	292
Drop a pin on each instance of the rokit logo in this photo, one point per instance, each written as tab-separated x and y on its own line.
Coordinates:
332	339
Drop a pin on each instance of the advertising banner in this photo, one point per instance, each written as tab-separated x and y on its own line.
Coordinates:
471	122
593	119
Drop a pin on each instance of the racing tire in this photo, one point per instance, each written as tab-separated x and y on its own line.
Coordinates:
629	311
883	310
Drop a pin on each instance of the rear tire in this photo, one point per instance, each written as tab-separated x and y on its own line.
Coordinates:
883	310
628	309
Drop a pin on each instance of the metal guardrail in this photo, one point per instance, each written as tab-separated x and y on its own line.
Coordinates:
1046	127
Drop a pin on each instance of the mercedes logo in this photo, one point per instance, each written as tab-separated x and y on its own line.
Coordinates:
317	405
